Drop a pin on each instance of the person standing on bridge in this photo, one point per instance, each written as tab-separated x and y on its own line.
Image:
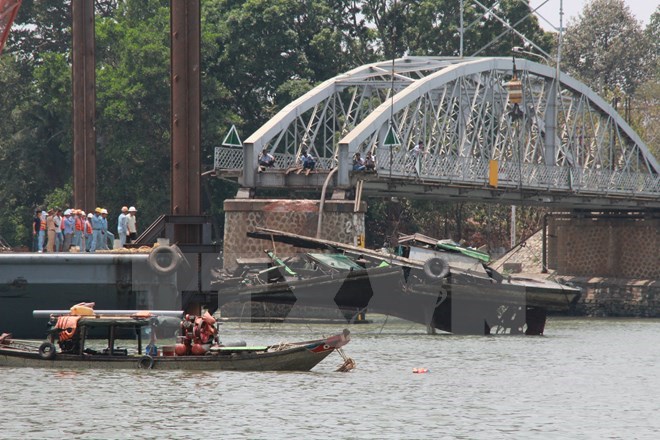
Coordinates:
87	228
107	235
132	224
416	155
42	231
36	227
97	231
59	235
122	226
50	231
69	227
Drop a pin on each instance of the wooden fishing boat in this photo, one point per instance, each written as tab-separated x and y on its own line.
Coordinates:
75	350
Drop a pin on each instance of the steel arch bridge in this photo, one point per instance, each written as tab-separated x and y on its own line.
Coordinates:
563	146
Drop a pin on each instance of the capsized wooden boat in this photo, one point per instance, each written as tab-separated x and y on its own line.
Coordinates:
439	284
295	356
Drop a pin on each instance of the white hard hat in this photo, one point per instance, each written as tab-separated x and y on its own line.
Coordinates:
104	211
90	215
132	209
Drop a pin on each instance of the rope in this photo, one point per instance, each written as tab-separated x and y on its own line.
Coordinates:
348	364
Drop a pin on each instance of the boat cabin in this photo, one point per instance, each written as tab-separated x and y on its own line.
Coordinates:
72	332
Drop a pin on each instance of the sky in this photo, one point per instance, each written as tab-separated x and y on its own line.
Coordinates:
641	9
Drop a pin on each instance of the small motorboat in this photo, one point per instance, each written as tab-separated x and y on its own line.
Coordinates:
197	348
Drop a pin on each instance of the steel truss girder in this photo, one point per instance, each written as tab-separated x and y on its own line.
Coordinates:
459	109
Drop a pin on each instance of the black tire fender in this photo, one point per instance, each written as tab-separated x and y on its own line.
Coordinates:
174	255
436	268
47	351
145	363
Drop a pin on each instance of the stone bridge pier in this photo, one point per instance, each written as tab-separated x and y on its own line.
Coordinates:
615	258
341	222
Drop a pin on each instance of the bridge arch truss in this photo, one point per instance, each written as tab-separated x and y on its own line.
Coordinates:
566	145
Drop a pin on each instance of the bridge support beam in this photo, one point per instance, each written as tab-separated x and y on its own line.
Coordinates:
550	137
84	105
186	110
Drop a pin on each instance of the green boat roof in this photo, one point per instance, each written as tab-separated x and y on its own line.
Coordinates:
465	251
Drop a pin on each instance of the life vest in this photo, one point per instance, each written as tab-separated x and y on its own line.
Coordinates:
79	224
68	325
88	227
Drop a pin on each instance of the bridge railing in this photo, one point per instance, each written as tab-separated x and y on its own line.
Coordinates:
227	158
475	171
231	158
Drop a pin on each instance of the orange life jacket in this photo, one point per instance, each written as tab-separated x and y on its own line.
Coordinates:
68	325
79	225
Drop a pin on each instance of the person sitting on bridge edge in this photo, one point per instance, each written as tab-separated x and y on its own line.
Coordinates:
369	162
266	160
308	162
358	162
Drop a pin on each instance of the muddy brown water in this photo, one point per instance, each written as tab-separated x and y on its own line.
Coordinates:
586	378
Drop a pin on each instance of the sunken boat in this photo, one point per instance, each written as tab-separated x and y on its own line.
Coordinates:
438	284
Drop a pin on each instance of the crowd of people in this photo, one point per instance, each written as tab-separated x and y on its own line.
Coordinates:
74	230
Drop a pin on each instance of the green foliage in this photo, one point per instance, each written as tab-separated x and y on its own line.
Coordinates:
432	27
606	48
256	57
59	198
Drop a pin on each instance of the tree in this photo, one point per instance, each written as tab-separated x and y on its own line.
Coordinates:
263	44
41	27
432	27
606	48
645	109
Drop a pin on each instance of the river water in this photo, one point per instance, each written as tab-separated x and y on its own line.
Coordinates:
585	379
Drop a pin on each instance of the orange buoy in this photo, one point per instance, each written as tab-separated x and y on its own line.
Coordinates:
180	349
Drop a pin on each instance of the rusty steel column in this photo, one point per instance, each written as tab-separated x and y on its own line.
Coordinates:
185	113
84	105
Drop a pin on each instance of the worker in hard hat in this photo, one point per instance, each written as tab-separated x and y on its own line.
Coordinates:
97	231
132	224
107	235
122	225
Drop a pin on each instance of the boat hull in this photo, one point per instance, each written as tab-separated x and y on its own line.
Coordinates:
299	357
457	304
